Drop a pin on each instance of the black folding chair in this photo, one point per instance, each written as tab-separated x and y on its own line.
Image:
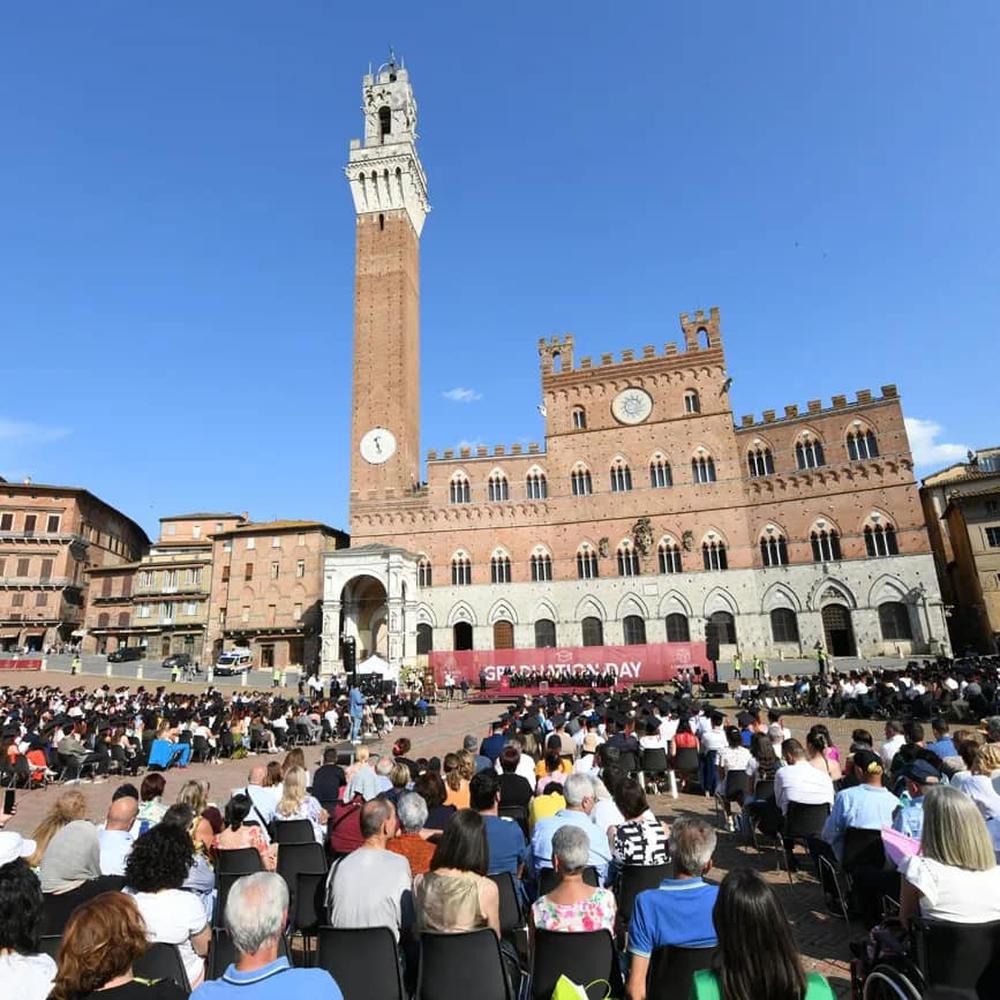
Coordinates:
462	965
363	961
294	858
687	761
548	879
583	958
802	821
49	945
653	764
736	789
162	961
240	861
958	957
517	813
308	907
294	831
222	953
628	761
672	969
633	880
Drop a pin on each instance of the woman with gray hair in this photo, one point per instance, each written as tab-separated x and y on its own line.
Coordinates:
573	906
70	874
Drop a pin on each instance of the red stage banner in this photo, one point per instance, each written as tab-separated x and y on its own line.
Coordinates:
20	664
655	663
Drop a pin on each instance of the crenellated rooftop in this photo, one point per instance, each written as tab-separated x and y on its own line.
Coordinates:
482	452
701	334
862	397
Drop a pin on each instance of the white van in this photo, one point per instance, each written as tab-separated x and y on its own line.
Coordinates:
233	661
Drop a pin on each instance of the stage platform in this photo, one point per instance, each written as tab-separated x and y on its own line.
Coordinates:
495	695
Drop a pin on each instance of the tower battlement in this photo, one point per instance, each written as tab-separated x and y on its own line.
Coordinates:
863	397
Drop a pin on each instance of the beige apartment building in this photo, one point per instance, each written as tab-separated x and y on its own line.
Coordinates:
50	538
267	590
160	602
962	507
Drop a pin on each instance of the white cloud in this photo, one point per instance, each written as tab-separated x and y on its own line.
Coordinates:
926	448
471	445
462	395
22	432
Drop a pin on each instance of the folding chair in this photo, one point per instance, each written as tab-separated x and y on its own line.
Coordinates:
162	961
581	957
463	965
363	961
672	969
548	879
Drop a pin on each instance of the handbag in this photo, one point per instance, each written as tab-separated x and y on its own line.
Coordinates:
566	989
345	826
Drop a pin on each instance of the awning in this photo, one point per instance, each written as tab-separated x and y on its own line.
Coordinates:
78	634
9	633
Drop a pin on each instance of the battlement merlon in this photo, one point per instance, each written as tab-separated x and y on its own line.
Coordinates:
862	398
702	335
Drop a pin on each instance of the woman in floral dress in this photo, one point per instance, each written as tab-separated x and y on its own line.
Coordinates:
573	906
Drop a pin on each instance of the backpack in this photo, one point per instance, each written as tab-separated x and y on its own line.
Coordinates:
345	826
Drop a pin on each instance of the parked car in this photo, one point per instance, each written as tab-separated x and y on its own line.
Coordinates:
233	661
179	660
127	653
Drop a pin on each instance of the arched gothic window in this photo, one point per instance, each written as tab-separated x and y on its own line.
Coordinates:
634	629
545	633
459	491
773	549
461	570
583	485
425	639
894	620
678	629
628	560
714	554
880	540
586	563
784	625
725	626
541	567
424	574
592	631
660	476
384	121
825	544
503	635
703	469
861	443
579	418
809	453
692	404
497	488
500	567
760	461
669	553
621	477
461	635
536	485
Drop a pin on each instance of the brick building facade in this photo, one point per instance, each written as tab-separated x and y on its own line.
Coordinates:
50	537
962	508
645	513
162	601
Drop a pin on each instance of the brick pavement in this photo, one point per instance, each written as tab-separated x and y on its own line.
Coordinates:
822	938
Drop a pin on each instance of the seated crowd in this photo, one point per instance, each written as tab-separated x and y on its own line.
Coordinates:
554	797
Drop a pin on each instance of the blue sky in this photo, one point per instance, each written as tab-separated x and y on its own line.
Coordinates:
176	234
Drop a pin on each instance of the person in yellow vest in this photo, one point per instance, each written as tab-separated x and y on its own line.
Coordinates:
758	667
821	659
275	677
738	667
175	672
74	667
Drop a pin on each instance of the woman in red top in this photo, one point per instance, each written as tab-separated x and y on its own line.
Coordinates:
684	737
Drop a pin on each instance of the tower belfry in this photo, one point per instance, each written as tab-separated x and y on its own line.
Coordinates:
390	203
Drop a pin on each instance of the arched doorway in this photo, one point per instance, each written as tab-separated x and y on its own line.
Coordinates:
363	616
462	635
838	630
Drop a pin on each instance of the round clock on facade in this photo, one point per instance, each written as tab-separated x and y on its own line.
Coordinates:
378	445
632	406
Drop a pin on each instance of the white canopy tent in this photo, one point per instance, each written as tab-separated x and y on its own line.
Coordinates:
376	665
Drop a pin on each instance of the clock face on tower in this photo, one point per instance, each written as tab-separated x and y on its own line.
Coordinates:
378	445
632	406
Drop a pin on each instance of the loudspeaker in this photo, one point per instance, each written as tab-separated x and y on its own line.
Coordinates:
712	642
349	655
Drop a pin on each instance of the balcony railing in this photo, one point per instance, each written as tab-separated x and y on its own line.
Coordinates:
38	581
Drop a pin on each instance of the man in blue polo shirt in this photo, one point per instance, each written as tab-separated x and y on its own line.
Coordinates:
505	838
679	912
256	911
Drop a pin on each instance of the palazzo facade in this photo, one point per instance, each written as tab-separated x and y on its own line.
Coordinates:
645	513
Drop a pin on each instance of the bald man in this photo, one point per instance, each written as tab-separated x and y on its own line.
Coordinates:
265	799
116	837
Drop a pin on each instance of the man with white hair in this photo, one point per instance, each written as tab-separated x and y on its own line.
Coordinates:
256	913
580	794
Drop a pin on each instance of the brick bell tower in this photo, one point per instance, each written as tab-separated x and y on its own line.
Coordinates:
390	201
